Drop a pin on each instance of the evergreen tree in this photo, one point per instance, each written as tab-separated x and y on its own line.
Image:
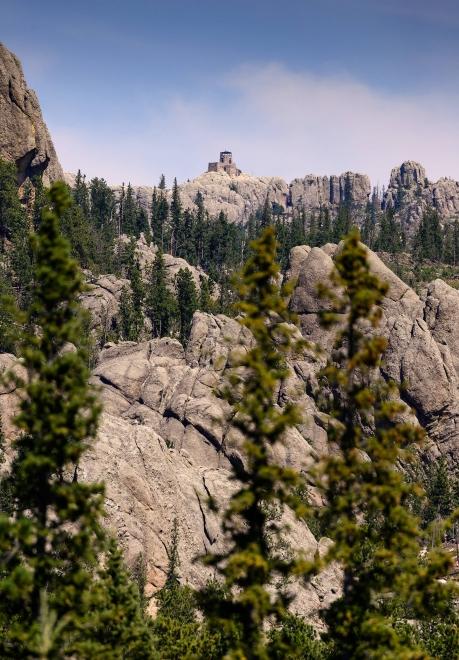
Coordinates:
49	544
132	297
249	565
187	302
451	243
160	218
200	234
160	302
39	201
12	216
206	289
324	229
102	202
371	220
428	240
162	182
81	193
129	216
343	222
116	626
176	238
440	494
266	216
142	224
390	237
8	322
187	247
376	538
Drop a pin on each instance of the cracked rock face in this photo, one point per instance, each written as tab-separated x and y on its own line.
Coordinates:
24	137
410	193
165	445
165	442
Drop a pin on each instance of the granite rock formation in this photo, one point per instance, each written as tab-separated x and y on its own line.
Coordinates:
410	192
165	441
314	192
24	137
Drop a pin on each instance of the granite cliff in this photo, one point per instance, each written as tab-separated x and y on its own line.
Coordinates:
165	442
24	136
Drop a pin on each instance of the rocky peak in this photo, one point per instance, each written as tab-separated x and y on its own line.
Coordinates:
24	136
410	193
408	175
314	192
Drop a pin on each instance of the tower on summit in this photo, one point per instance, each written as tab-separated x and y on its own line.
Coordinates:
225	164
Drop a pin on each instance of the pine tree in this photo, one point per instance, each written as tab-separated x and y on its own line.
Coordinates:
451	243
376	537
115	626
187	302
206	289
142	223
342	223
390	237
266	216
200	234
129	217
102	202
249	565
176	221
39	201
187	247
160	302
81	193
12	216
439	492
48	546
428	240
324	230
133	296
159	218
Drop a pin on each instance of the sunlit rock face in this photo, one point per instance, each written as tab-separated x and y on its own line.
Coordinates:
410	193
24	137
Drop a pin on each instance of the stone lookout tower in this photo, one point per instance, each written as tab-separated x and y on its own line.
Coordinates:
225	164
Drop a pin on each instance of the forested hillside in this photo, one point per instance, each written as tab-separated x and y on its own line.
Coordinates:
229	412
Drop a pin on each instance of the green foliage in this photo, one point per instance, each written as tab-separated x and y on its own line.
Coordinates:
52	539
295	638
115	625
133	297
206	290
428	241
390	237
187	302
249	566
160	301
12	215
376	538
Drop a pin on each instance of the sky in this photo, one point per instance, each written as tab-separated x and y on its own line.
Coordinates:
133	89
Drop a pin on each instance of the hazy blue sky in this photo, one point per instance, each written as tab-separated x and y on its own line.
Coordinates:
131	89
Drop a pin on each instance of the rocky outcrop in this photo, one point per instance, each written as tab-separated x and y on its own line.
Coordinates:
236	197
103	294
315	192
410	193
166	443
24	137
423	341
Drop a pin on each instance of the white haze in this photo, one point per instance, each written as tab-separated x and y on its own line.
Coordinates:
277	122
